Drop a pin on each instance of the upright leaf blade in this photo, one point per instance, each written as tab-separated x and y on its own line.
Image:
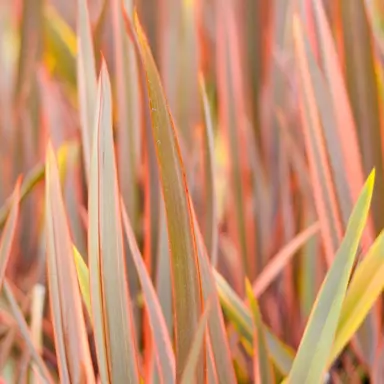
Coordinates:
9	232
263	370
83	278
361	81
323	188
187	293
365	288
110	302
345	123
197	345
211	225
68	320
129	110
315	347
86	79
218	337
232	116
163	346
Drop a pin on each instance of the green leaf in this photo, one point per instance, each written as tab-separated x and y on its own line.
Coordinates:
110	300
365	288
184	259
68	319
316	344
83	279
60	45
281	354
361	76
262	366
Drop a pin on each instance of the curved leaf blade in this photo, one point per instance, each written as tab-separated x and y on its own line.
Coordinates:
187	295
282	258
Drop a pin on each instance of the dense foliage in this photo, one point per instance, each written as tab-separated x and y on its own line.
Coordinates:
191	191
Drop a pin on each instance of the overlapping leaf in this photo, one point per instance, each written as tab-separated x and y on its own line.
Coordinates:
316	343
163	345
68	320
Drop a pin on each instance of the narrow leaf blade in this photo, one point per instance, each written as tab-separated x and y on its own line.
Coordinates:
111	309
365	288
262	366
87	80
312	355
163	345
187	298
68	319
9	232
194	353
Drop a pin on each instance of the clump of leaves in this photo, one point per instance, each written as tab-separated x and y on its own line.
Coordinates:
191	191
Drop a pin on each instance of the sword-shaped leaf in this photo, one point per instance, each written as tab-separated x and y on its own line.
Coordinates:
68	320
110	301
187	300
316	344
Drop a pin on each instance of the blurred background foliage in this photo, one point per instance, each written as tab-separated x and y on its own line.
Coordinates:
237	146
